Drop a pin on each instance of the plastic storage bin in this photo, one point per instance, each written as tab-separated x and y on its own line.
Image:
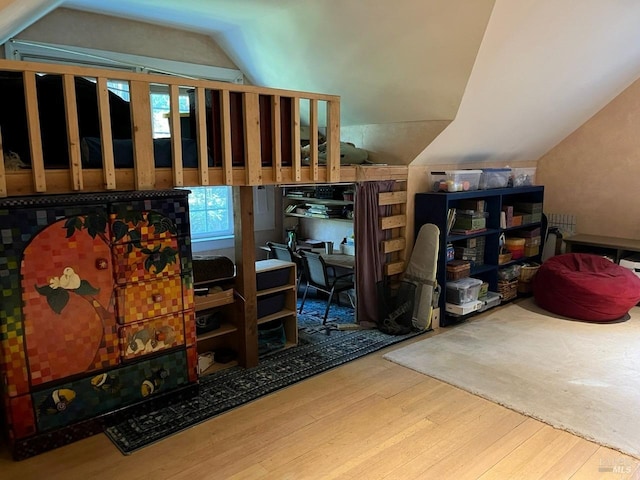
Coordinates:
494	178
456	180
463	291
523	177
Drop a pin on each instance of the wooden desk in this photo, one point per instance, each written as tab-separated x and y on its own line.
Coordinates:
336	259
616	247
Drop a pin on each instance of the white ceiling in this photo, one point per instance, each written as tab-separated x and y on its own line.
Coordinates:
540	70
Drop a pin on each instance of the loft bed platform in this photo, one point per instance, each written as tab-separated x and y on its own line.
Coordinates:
71	133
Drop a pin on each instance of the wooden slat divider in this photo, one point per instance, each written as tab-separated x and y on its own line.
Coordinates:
73	132
333	141
252	149
3	177
176	135
276	139
393	268
106	143
313	138
394	221
142	135
392	198
295	139
201	134
227	153
35	138
394	245
144	174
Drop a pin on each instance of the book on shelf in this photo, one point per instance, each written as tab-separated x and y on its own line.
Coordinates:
451	219
460	231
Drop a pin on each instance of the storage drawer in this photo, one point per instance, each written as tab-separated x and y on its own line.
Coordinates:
148	220
137	264
90	396
150	336
270	304
142	300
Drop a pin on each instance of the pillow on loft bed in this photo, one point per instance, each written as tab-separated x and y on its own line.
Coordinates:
91	149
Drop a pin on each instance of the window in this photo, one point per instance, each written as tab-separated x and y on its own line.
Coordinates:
211	213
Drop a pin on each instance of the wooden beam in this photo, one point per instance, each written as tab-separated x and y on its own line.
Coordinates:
276	138
227	152
106	143
245	282
393	268
392	198
142	135
333	141
73	131
313	138
295	139
252	149
394	245
35	138
201	135
176	135
394	221
3	177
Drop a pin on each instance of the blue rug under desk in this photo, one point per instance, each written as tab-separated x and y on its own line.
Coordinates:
319	349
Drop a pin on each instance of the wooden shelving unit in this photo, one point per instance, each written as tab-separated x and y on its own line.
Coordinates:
433	207
276	280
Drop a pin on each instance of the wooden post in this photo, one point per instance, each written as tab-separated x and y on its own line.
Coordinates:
295	139
35	138
333	141
276	139
227	154
313	138
252	149
176	135
106	140
246	274
73	131
142	134
201	128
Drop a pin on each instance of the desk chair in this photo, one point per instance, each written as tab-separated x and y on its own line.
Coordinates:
323	277
282	251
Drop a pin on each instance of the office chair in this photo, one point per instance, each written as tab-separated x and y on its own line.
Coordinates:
323	277
282	251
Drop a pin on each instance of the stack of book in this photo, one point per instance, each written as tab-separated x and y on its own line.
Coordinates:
323	211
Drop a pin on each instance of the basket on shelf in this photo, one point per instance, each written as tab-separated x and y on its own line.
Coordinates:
527	272
504	258
508	289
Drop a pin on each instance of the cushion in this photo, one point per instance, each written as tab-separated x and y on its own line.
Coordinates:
585	287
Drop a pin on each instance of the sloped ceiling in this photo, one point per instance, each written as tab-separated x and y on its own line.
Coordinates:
515	77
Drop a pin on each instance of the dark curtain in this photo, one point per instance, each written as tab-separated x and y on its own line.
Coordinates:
369	257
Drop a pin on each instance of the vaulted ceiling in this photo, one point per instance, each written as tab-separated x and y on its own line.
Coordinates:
514	76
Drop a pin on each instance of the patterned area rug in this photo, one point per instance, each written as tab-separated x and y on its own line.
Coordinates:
319	349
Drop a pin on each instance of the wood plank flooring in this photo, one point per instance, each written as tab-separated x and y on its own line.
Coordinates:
369	419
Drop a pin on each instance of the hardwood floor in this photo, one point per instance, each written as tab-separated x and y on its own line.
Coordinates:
369	419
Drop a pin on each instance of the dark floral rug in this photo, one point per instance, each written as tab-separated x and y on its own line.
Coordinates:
319	349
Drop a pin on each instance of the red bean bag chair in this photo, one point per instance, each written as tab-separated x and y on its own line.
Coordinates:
585	287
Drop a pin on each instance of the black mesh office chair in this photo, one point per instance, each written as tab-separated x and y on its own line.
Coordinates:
282	251
323	277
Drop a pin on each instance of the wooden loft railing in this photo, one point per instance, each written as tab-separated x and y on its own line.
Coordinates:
252	133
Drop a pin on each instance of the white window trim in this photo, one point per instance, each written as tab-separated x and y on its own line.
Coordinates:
27	50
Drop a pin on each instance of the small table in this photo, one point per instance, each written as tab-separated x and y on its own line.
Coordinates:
336	259
616	247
